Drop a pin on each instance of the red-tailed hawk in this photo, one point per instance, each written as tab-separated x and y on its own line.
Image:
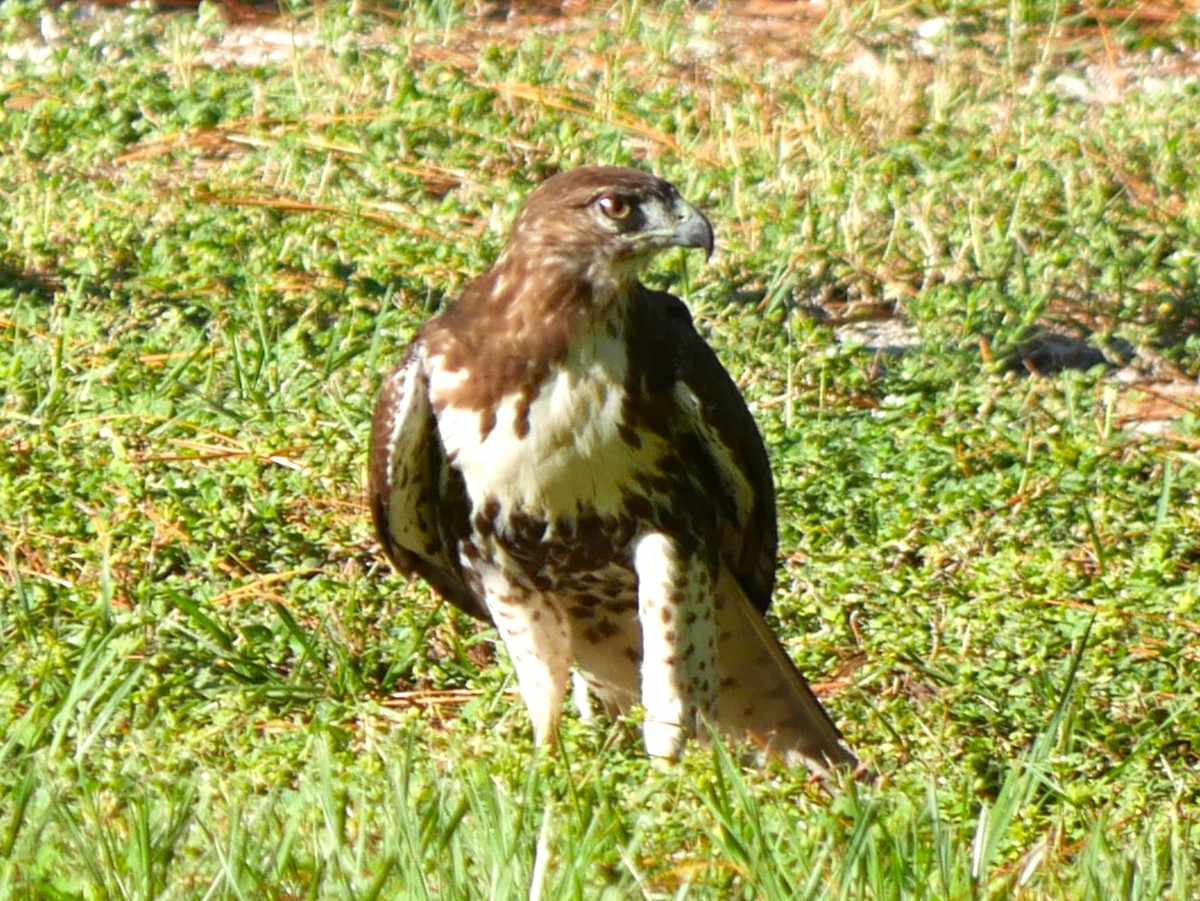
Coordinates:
561	453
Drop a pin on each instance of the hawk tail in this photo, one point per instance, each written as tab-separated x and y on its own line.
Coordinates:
763	696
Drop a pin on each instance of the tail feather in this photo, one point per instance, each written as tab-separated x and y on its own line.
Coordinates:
762	695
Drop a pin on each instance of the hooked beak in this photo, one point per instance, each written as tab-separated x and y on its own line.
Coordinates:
694	230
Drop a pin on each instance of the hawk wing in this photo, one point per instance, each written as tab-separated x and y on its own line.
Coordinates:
733	450
417	499
760	692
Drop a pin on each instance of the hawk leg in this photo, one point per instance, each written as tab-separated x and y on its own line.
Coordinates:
535	632
679	642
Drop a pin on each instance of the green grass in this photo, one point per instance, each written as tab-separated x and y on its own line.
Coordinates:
212	687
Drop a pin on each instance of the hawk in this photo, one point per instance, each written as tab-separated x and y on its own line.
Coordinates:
561	454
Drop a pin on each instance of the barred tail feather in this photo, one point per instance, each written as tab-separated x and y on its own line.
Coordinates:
761	693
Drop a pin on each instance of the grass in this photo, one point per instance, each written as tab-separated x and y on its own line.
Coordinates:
210	685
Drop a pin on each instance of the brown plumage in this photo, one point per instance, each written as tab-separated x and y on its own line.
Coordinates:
561	453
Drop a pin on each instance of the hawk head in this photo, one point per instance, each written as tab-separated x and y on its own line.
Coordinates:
571	263
604	223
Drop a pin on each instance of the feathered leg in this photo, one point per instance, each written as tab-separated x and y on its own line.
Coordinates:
675	608
535	633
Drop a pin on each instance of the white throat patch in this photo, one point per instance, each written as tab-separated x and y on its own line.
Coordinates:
572	455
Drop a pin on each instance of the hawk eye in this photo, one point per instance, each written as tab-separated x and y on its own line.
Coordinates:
614	207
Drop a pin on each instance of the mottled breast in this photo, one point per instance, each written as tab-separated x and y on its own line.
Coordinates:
549	448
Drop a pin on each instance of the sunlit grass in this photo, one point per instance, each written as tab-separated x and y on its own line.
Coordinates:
214	241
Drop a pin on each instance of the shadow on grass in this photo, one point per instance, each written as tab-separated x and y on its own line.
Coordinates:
41	284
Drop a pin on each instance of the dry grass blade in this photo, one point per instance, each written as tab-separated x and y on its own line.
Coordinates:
432	698
203	451
580	105
288	205
258	588
159	359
